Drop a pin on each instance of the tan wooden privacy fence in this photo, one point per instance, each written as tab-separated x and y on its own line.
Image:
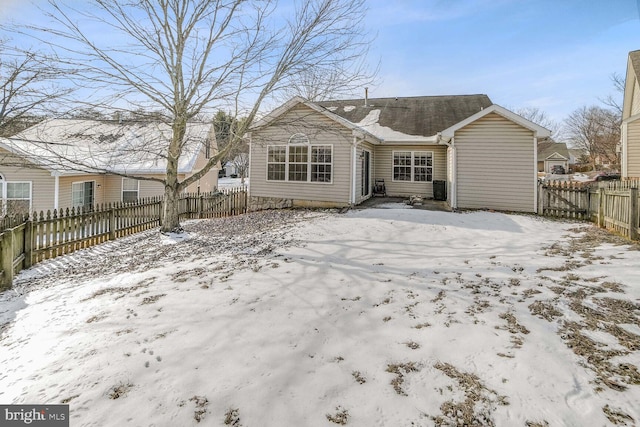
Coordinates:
29	240
613	205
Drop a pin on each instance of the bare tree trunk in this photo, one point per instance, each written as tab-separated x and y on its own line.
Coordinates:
171	223
171	217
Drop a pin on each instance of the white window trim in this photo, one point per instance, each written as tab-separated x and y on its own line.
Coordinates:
309	163
413	165
122	190
95	189
3	193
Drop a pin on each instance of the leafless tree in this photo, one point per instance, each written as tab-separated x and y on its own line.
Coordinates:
541	118
317	84
615	101
184	58
597	131
241	163
28	88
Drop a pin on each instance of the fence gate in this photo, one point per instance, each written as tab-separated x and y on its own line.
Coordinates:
563	199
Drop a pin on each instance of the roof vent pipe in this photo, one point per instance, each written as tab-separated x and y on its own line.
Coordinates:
366	96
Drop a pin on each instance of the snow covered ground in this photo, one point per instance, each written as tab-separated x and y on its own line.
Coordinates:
376	317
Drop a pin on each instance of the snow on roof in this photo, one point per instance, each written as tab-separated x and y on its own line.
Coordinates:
371	125
72	146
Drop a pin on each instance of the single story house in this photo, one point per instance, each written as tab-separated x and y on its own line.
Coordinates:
330	153
550	154
630	132
65	163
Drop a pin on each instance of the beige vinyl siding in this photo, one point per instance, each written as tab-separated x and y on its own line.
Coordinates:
384	169
207	183
495	165
633	149
65	195
635	99
42	183
321	131
146	188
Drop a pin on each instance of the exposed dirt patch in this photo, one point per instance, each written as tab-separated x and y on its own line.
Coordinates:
360	379
119	390
232	417
400	370
512	324
617	416
478	405
340	417
201	403
152	299
598	357
121	291
545	310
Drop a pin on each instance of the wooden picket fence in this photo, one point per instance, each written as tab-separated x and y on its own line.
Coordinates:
613	205
31	239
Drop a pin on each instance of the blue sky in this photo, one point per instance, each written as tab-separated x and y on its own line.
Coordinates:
557	55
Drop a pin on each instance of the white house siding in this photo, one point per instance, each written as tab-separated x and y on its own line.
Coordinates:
42	183
384	169
633	149
495	165
320	130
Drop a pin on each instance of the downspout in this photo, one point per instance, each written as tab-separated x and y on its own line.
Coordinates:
250	136
535	174
624	161
56	190
454	176
354	152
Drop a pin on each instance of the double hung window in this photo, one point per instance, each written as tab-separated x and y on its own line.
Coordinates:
413	166
300	161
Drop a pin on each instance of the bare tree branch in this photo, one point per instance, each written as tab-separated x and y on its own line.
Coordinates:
185	58
596	130
28	88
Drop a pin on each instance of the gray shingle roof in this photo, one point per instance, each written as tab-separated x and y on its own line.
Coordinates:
420	115
548	147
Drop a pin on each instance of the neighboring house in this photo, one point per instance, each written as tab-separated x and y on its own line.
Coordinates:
330	153
576	156
229	169
550	154
630	132
64	163
235	167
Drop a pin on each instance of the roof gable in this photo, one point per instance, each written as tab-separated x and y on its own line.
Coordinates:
297	100
72	145
630	82
537	130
